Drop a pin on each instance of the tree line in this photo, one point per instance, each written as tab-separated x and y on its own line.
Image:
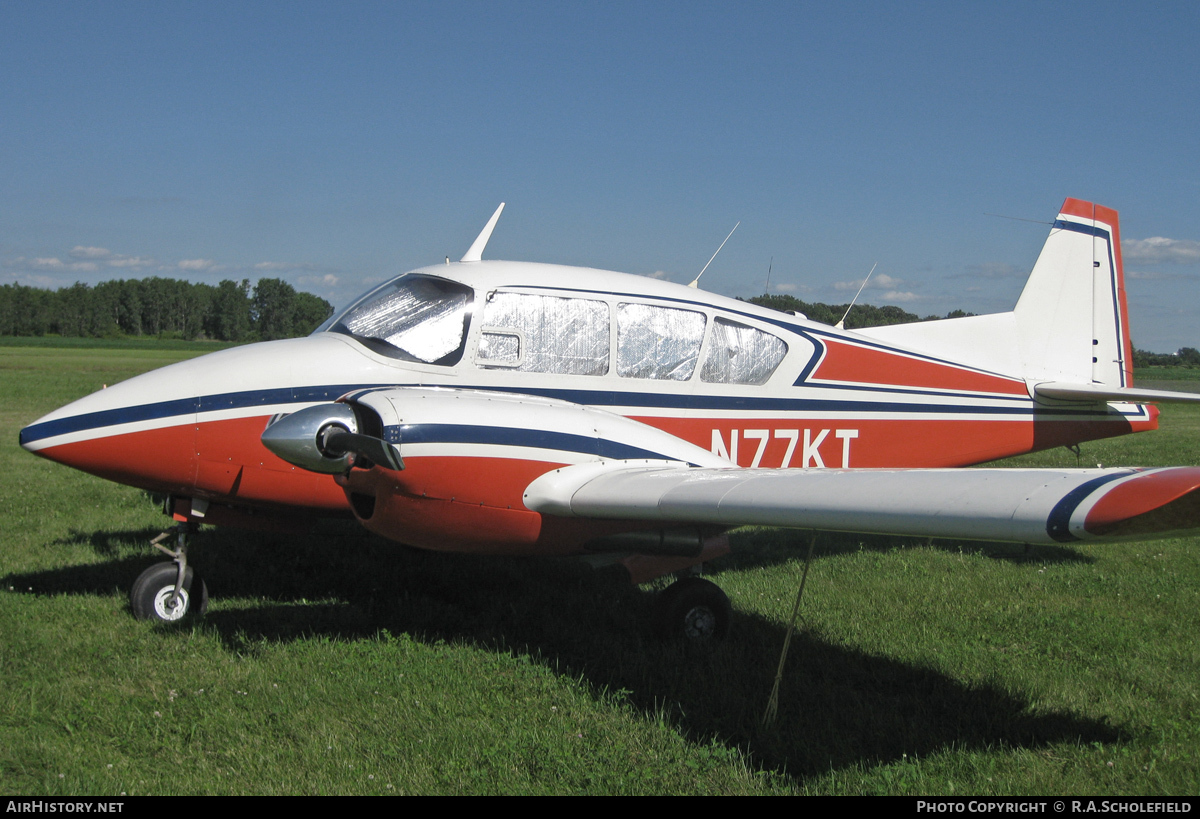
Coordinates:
860	315
165	308
1185	357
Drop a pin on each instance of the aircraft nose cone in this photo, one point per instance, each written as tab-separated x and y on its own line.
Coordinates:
123	435
195	426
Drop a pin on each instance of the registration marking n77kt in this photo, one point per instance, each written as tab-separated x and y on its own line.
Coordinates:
810	452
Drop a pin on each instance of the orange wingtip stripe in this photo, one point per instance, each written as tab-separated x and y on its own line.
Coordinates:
1163	501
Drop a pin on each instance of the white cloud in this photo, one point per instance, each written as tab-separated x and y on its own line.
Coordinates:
89	259
282	266
129	261
197	264
81	252
1161	249
881	282
994	270
1157	276
53	263
896	295
35	280
328	280
660	274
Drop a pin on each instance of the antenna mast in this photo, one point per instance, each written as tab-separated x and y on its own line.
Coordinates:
475	251
696	281
841	325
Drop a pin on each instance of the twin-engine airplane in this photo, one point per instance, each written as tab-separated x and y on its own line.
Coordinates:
533	409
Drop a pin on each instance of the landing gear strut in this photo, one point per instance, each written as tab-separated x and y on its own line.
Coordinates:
170	590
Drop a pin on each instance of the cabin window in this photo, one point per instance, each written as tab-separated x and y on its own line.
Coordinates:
738	354
658	342
544	334
414	318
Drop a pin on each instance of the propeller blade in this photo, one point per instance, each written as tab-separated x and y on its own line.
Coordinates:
337	441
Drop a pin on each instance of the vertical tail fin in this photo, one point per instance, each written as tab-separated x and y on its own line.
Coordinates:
1072	322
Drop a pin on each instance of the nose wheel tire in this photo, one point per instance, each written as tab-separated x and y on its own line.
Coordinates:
694	610
152	594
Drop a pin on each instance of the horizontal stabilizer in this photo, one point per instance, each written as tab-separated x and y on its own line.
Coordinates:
1017	505
1103	392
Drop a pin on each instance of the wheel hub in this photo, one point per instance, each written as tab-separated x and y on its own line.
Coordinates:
699	623
163	607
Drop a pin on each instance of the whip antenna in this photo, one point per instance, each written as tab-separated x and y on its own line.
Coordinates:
841	325
696	281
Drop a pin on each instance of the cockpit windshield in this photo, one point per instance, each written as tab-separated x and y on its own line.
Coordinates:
415	318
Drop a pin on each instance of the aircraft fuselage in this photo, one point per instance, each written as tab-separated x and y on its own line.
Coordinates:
747	385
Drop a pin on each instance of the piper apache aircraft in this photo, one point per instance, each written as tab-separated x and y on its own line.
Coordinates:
533	409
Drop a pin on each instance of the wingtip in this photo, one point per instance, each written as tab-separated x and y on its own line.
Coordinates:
1151	504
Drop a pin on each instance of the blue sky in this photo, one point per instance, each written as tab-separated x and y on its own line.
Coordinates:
336	145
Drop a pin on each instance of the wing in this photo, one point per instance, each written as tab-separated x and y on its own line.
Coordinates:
1020	505
481	462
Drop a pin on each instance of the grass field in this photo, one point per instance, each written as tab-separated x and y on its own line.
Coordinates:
338	663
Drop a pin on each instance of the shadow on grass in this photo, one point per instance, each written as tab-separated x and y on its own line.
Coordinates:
765	546
839	707
98	578
113	544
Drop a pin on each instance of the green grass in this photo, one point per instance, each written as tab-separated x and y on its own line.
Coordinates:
1145	375
120	343
339	663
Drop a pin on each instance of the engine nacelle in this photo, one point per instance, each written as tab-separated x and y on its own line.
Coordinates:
469	456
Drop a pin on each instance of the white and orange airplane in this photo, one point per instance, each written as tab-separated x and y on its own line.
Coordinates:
532	409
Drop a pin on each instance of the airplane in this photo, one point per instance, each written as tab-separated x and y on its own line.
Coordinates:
513	408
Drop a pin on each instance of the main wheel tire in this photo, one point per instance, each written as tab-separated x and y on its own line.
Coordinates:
150	597
693	609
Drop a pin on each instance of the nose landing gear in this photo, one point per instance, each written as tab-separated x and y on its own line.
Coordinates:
171	590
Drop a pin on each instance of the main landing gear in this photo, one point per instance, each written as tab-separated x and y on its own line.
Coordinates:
171	590
693	609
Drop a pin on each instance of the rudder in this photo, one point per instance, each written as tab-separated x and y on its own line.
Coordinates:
1072	321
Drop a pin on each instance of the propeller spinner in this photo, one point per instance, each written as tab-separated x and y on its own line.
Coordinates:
326	438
